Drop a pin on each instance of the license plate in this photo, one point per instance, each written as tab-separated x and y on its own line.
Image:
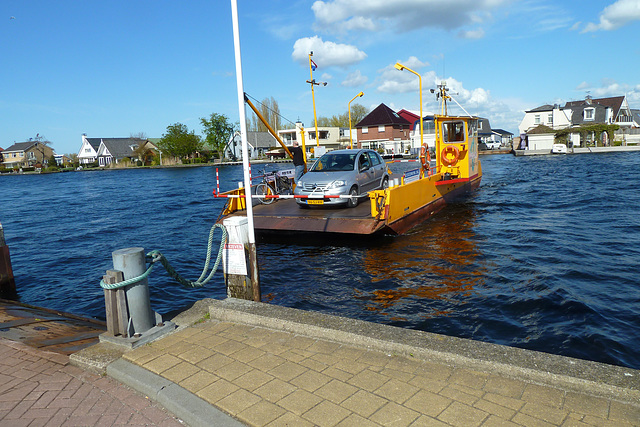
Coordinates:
315	201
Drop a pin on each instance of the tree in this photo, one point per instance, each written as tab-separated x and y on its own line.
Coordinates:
270	110
179	142
358	112
42	145
218	130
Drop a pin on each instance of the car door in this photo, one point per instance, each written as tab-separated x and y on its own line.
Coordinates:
366	174
378	167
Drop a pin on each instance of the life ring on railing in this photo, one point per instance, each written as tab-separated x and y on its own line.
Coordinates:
425	158
450	149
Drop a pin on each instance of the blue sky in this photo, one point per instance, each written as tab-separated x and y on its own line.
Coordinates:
116	68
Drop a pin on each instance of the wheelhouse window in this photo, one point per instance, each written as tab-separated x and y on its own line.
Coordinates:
453	131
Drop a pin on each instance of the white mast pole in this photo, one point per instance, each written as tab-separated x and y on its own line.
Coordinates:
245	152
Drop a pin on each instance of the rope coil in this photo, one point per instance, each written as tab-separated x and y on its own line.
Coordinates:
156	256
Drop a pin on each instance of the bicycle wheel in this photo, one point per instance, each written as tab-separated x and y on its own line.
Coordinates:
263	189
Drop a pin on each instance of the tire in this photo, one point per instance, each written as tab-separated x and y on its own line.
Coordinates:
385	183
353	201
264	190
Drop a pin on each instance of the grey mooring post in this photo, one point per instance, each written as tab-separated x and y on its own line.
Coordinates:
131	322
131	261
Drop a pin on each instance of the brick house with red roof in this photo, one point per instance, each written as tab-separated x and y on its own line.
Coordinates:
384	130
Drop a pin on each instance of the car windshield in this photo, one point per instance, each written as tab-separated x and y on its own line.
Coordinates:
331	162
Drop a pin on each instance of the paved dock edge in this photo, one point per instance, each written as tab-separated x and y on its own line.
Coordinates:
194	411
583	376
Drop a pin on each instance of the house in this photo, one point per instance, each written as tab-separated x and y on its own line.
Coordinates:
88	150
259	144
384	130
549	115
578	114
27	154
116	150
486	134
330	137
506	137
540	138
62	160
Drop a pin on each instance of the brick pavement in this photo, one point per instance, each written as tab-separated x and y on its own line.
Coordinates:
40	388
267	377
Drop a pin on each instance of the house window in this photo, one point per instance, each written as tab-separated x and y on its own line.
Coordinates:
31	155
589	113
380	128
536	120
550	118
87	150
365	130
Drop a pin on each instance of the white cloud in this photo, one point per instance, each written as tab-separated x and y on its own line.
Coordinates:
395	81
400	15
471	34
354	79
326	54
616	15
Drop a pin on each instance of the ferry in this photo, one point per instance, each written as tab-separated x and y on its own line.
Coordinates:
410	199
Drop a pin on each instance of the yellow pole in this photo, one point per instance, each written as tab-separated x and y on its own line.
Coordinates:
349	108
313	98
401	67
304	148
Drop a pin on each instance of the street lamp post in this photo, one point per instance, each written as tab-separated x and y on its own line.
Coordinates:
349	108
401	67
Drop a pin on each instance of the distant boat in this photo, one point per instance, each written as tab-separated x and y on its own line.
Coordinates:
558	149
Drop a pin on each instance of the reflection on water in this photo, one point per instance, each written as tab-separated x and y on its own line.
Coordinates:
437	261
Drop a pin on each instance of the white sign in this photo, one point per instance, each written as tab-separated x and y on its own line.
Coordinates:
411	175
233	259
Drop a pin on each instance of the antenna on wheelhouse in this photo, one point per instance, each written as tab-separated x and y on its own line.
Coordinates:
443	95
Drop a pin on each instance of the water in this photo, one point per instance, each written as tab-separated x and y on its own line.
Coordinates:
543	256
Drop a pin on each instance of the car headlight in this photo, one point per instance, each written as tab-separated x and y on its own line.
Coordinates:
337	184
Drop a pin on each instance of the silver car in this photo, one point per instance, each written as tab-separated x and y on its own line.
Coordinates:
342	172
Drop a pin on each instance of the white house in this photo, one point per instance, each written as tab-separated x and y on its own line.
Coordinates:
88	150
330	137
548	115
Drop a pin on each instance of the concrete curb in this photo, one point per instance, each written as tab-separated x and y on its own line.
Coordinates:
194	411
584	376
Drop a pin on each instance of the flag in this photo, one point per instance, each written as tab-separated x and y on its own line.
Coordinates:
313	65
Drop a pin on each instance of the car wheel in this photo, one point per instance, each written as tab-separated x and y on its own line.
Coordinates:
385	183
352	202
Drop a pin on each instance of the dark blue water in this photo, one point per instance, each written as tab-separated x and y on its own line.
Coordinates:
544	255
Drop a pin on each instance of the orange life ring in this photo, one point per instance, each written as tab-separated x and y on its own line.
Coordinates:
450	149
425	158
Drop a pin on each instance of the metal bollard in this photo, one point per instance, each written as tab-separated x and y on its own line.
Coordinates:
131	261
7	282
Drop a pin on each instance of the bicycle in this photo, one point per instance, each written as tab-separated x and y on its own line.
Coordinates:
273	183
